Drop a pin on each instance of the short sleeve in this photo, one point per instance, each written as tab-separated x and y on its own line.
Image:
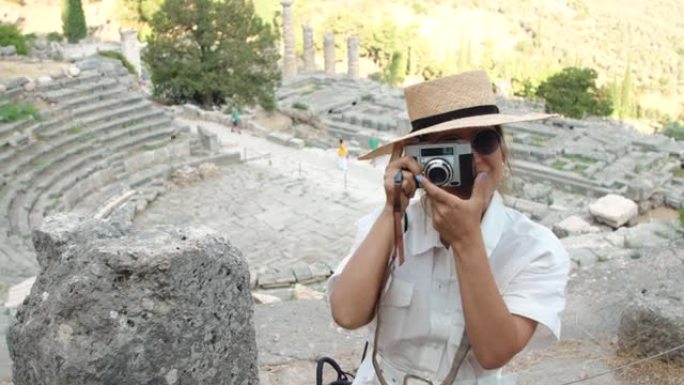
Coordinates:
538	292
363	227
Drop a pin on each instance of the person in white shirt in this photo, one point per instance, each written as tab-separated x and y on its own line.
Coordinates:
480	281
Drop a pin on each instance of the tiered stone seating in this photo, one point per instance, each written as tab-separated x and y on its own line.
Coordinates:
95	122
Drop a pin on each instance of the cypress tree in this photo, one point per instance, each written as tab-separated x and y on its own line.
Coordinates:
73	21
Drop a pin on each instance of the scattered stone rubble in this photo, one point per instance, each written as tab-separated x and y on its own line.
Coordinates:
177	308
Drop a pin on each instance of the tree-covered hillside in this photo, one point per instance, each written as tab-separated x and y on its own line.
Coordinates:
635	46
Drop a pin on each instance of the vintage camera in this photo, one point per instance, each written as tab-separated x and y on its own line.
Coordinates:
445	164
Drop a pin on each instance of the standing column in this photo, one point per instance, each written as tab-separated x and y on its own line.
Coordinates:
309	52
130	48
289	58
329	52
353	57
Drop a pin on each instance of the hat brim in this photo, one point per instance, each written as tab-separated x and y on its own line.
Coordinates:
454	125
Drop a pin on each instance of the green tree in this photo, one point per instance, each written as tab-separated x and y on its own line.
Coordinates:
395	73
73	21
212	51
573	92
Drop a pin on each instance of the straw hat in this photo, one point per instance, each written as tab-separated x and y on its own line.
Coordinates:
451	103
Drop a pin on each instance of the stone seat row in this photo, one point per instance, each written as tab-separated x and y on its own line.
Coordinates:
42	160
39	151
74	164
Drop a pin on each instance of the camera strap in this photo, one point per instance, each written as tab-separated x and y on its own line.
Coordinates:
464	345
398	216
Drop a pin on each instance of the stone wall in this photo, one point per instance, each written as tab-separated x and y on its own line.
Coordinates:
160	306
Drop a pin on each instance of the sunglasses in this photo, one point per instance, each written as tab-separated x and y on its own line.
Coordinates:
484	142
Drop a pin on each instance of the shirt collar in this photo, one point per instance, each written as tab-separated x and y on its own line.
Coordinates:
421	236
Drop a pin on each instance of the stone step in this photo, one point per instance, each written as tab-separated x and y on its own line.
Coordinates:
13	93
58	178
111	103
71	199
78	115
89	135
83	78
118	114
17	263
101	94
20	125
18	215
65	94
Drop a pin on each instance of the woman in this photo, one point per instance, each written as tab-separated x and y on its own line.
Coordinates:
480	281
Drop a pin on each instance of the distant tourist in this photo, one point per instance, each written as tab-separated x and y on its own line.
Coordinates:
455	284
342	155
236	120
373	144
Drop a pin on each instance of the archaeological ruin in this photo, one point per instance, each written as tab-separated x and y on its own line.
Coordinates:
102	195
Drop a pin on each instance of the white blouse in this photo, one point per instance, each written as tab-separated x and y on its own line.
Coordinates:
422	318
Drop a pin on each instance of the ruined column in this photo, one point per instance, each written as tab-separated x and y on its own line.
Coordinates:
289	58
130	48
309	52
353	57
113	306
329	52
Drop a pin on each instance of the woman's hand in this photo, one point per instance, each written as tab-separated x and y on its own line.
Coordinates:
410	168
458	220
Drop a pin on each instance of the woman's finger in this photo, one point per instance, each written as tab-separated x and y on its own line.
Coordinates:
397	149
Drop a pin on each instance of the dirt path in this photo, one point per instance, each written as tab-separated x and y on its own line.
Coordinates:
13	69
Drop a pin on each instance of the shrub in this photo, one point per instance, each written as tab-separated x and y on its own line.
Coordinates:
299	106
573	92
55	36
674	130
10	35
120	57
13	112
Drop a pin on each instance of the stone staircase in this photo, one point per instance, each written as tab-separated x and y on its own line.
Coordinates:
98	136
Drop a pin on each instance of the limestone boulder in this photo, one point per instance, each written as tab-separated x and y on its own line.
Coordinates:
73	71
599	297
574	225
614	210
30	86
9	50
654	323
113	306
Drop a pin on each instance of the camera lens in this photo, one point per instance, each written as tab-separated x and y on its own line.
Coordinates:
437	176
438	171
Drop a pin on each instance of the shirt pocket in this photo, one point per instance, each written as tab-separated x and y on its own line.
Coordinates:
394	312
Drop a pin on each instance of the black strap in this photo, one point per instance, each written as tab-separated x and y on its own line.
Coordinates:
452	115
342	378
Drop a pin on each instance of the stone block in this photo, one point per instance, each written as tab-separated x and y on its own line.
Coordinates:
296	143
9	50
276	279
302	292
614	210
574	225
302	272
110	306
